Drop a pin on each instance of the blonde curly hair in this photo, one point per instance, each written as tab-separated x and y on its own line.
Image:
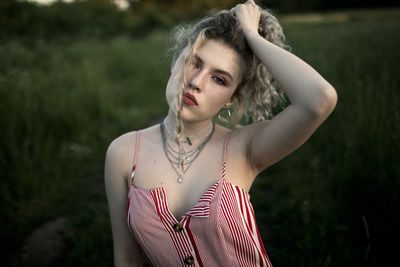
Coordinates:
257	95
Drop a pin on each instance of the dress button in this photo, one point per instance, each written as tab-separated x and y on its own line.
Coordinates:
177	227
189	260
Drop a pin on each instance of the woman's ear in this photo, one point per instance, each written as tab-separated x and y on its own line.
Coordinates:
231	100
228	104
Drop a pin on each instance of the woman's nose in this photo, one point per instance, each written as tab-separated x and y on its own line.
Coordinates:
196	81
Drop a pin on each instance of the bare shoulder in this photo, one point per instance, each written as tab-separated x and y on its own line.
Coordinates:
239	146
247	131
119	153
240	137
121	145
125	143
220	132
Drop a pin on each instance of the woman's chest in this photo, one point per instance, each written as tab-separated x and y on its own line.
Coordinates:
177	198
182	184
173	206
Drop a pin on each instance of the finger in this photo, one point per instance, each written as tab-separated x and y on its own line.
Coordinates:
234	9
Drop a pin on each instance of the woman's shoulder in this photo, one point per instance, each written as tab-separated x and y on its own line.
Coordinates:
221	131
119	152
123	141
126	141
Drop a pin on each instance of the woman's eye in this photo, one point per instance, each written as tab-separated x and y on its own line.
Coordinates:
219	80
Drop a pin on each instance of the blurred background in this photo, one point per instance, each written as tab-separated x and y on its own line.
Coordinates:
74	75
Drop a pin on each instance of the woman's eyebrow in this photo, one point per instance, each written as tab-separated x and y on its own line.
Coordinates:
199	60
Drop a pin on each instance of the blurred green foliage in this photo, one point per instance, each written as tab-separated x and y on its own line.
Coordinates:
295	6
66	21
64	95
102	19
334	202
196	8
60	106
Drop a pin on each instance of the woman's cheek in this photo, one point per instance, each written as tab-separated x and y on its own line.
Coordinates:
218	105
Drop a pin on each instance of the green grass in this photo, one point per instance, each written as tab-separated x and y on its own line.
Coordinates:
62	103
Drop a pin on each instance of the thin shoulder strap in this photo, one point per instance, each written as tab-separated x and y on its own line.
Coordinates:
135	155
223	168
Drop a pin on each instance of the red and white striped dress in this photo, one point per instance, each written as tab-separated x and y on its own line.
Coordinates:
220	230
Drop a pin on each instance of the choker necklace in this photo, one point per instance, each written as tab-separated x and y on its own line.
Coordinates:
180	159
188	139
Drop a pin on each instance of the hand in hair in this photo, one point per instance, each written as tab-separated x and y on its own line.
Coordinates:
248	15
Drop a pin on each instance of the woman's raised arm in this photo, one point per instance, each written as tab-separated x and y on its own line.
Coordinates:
312	98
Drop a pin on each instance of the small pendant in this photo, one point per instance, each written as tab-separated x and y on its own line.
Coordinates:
180	180
189	141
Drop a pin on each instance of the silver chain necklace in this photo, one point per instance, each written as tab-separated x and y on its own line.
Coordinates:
181	160
188	139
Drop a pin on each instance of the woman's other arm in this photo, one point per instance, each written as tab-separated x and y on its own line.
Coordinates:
126	250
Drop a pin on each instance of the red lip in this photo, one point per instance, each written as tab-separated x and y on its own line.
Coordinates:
189	99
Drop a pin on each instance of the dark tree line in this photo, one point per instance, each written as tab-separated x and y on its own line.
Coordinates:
98	19
283	6
102	19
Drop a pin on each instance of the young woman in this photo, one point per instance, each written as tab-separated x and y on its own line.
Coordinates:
178	190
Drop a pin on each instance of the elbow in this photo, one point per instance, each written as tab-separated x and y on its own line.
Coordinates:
325	103
331	98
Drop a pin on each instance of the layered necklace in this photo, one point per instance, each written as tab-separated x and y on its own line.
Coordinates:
179	158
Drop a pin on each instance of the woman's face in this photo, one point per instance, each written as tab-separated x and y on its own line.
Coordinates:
211	80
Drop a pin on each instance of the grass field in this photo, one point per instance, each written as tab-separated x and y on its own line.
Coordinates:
334	202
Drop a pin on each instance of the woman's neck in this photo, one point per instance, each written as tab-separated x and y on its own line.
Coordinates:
195	128
191	128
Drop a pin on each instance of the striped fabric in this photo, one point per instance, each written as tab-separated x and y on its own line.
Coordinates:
220	230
